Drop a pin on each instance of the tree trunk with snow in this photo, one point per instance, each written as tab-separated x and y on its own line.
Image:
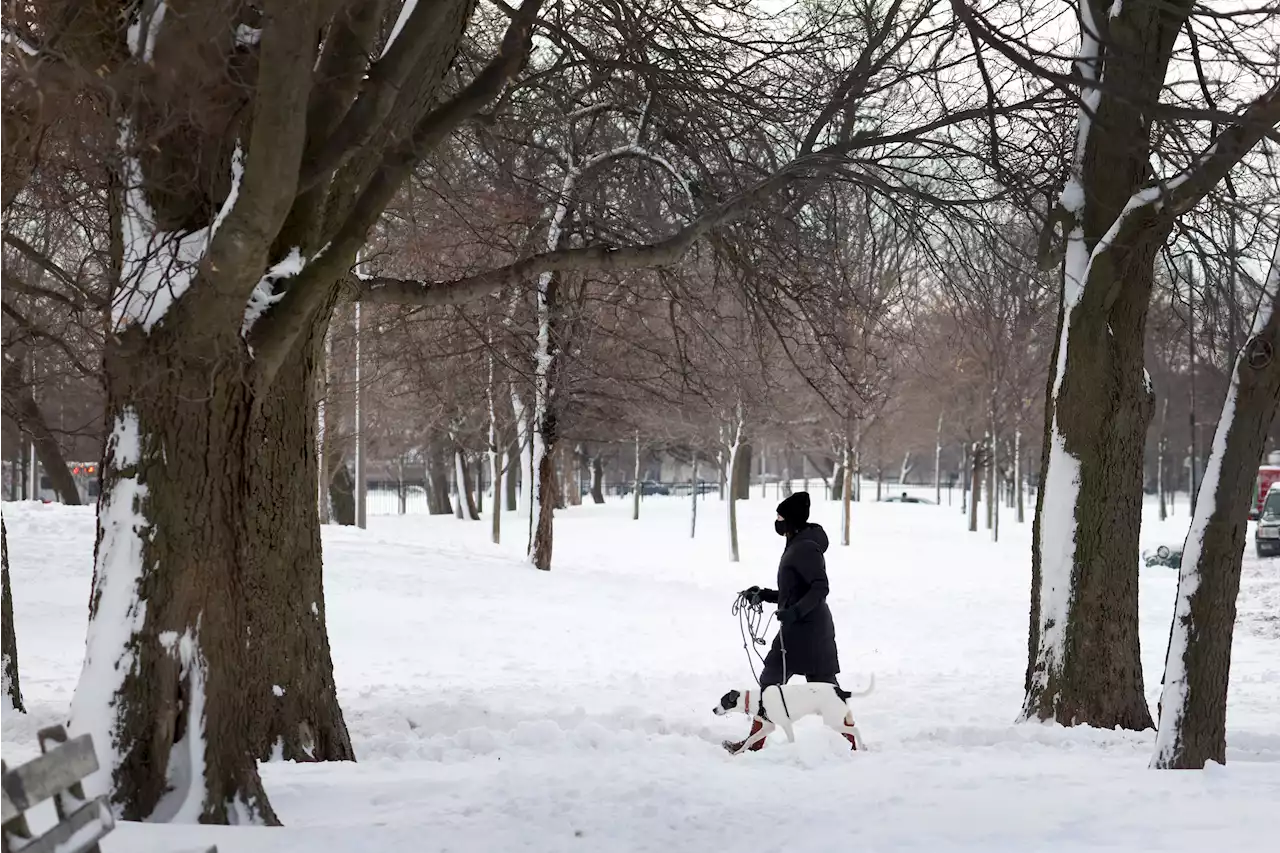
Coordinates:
737	470
163	687
937	463
635	482
846	500
12	685
1193	703
693	505
462	483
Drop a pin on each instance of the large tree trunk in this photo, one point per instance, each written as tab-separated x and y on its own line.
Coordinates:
1086	666
12	686
293	708
163	688
438	501
1193	703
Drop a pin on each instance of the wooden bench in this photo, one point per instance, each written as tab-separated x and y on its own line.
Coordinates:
56	775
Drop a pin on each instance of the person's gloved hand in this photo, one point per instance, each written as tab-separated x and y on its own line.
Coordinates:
787	615
751	594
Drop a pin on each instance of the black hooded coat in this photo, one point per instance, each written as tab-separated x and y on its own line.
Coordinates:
810	640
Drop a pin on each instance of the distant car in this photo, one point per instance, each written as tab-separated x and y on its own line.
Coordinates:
1267	534
1164	556
905	498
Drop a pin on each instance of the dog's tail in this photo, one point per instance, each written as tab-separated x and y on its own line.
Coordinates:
846	695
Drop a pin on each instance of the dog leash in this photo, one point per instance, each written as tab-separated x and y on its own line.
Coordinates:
750	613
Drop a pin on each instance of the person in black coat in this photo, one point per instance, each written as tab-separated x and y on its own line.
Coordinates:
806	640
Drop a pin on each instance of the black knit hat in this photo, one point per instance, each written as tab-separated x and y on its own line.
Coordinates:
795	509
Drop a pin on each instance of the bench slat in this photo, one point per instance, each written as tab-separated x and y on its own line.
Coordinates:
80	831
50	774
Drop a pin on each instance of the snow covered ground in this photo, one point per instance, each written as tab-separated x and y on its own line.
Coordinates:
494	707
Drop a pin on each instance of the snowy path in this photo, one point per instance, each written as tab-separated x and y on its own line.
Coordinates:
495	707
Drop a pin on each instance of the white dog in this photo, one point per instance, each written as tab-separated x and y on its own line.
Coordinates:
783	705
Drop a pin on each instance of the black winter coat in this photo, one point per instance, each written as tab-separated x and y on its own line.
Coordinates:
802	586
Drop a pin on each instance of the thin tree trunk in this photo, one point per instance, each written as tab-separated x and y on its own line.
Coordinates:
12	685
937	463
846	499
738	471
693	491
635	492
1162	449
597	480
1018	476
511	479
742	476
322	428
975	489
1193	703
496	467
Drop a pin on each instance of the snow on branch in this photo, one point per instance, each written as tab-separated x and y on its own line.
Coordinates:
158	266
144	29
14	40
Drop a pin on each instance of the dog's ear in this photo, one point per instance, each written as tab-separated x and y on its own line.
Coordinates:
729	701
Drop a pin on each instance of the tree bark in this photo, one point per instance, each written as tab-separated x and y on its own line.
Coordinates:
597	480
975	486
846	500
438	501
742	476
293	707
693	492
466	492
635	491
12	685
511	478
1193	706
163	687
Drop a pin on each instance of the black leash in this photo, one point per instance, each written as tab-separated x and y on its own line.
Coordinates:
754	627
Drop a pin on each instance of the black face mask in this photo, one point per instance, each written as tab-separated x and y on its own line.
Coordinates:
780	527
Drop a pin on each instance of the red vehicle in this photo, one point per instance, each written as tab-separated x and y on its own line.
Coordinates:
1268	474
